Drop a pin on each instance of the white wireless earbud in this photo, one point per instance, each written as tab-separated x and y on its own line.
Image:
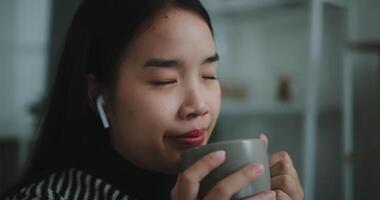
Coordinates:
103	117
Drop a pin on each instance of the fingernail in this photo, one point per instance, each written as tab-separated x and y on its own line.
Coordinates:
257	169
270	195
218	155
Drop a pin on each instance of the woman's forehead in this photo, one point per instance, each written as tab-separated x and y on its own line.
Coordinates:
174	32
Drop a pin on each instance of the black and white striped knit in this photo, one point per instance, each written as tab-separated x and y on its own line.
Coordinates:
70	184
106	176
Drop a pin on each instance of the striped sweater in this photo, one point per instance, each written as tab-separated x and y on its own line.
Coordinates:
103	175
71	184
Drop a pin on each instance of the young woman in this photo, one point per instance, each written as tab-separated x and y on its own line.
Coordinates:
136	80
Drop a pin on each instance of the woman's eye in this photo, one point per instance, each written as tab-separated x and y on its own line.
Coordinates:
163	82
210	77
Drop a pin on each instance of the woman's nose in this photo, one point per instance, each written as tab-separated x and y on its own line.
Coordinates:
193	106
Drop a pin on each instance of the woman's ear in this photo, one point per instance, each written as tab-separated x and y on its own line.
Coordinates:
96	100
92	91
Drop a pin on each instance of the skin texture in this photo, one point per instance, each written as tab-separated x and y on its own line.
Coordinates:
156	100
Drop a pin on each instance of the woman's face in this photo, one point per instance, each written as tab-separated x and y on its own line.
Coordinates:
167	98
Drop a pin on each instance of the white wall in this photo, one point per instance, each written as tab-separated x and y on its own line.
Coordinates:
364	25
7	30
364	20
23	55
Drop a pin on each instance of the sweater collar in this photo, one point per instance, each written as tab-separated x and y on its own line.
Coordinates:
112	167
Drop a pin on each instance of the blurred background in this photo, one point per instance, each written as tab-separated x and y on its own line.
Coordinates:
304	72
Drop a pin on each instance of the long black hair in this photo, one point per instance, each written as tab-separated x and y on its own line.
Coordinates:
100	32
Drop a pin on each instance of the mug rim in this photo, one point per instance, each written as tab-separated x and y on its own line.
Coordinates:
223	142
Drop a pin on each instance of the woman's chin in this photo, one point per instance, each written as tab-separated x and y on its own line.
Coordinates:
173	168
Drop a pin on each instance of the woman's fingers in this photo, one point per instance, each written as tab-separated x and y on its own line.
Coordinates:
187	184
263	138
280	156
200	169
270	195
283	167
235	182
281	163
280	195
288	185
284	176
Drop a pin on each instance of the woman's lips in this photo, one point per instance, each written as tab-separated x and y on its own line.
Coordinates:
190	139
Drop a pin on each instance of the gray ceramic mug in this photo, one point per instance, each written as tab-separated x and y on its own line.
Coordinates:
239	153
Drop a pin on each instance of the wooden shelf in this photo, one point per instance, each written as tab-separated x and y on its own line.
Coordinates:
364	155
233	109
368	46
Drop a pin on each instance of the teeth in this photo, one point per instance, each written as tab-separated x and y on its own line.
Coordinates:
186	136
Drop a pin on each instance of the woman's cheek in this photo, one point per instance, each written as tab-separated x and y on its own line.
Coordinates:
160	105
214	99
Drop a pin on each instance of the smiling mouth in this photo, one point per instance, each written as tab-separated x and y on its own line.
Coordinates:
190	139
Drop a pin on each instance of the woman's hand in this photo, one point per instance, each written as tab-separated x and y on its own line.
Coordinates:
187	185
284	178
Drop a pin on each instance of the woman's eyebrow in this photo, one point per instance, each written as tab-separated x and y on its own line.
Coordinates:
168	63
160	63
211	59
